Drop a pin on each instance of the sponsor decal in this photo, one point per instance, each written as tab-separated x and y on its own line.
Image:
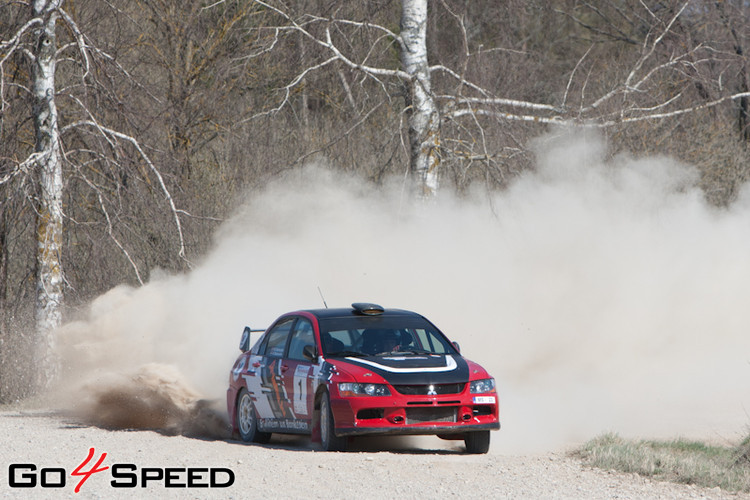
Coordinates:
450	365
239	369
288	424
120	475
301	374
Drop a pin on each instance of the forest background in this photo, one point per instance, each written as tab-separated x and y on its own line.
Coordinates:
171	114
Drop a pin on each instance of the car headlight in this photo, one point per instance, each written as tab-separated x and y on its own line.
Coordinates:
356	389
482	386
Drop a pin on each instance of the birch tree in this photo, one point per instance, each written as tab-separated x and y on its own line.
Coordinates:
41	174
424	119
415	74
457	121
47	163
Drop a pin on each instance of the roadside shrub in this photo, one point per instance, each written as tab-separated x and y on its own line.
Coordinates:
679	461
743	453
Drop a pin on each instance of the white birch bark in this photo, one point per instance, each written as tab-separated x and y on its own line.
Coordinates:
424	119
49	285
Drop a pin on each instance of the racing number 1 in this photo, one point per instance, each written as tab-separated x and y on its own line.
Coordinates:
300	379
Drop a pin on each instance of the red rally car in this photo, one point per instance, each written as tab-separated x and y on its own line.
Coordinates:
339	373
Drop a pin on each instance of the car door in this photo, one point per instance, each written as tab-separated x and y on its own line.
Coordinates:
298	375
271	403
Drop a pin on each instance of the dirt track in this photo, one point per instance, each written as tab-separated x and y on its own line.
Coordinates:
291	468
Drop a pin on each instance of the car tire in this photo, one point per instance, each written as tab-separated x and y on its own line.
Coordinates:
329	441
477	442
247	420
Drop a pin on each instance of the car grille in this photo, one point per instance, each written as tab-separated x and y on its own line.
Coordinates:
425	390
430	414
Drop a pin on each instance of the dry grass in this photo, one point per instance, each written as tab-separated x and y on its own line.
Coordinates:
679	461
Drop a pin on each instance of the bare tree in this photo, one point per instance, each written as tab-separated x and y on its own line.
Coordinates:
694	106
41	171
47	163
452	116
424	119
423	116
197	56
102	121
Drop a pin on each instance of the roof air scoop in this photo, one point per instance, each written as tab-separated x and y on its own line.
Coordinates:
367	308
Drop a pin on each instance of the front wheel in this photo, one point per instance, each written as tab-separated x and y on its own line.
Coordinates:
247	420
477	442
328	439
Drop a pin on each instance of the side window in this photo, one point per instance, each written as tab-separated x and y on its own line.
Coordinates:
438	345
423	340
430	341
276	339
302	336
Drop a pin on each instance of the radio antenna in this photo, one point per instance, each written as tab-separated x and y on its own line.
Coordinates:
322	298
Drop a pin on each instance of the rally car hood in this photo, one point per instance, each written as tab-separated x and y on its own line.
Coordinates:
409	369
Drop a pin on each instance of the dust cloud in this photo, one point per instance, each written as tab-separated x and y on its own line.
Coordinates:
602	295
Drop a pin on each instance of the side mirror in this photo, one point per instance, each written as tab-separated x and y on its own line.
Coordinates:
245	340
458	347
309	353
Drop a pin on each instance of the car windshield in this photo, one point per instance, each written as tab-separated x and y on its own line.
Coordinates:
381	335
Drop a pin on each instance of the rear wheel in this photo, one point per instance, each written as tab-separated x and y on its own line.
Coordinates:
247	420
328	439
477	442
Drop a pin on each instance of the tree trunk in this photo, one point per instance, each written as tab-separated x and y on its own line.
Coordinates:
424	119
49	277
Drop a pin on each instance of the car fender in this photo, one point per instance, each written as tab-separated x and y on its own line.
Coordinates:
476	371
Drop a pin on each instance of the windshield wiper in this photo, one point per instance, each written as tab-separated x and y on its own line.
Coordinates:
343	354
416	351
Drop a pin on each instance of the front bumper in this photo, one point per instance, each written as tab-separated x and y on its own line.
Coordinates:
416	430
405	415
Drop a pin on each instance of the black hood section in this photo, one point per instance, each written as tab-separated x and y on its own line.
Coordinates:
416	370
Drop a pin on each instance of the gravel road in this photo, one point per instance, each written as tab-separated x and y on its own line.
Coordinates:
292	468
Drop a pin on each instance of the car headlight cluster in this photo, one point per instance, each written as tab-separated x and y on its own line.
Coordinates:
356	389
482	386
